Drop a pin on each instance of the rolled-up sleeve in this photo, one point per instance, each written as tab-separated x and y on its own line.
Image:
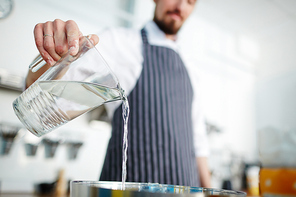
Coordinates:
200	138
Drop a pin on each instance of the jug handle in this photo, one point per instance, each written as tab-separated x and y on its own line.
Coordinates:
37	64
39	61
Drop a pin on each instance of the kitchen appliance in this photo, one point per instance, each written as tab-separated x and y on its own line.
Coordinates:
110	189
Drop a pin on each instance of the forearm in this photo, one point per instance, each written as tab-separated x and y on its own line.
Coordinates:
204	171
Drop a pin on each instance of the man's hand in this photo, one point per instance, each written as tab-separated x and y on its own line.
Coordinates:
54	38
204	171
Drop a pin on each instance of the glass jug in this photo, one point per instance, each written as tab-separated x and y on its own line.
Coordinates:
70	88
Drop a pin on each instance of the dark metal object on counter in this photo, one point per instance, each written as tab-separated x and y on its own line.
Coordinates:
73	148
108	189
50	147
31	149
7	135
45	188
226	184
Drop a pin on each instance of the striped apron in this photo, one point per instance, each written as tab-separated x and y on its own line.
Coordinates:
160	138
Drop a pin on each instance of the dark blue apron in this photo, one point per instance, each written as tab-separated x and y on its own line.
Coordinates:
160	138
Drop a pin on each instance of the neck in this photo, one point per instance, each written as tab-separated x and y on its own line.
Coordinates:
171	37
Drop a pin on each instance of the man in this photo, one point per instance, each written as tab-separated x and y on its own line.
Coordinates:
167	140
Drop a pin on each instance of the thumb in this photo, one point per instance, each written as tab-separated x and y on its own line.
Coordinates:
93	38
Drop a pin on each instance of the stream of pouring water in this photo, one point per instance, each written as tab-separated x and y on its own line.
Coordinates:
125	114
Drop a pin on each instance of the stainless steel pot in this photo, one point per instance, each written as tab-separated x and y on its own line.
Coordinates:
113	189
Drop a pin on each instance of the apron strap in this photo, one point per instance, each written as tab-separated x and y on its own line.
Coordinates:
144	36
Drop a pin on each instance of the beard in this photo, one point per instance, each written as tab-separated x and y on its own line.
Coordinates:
170	28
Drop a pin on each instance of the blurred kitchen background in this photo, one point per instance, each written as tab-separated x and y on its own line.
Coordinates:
245	56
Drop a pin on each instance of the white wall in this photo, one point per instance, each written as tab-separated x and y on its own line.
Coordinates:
276	82
276	94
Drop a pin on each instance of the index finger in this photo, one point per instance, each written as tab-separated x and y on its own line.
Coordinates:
38	34
72	34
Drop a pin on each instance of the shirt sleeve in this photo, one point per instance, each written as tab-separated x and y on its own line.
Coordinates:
200	137
199	129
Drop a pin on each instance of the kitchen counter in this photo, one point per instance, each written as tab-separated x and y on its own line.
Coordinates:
19	195
27	195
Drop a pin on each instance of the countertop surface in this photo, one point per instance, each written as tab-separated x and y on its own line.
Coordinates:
27	195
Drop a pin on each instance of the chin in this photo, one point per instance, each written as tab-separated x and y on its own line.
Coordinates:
174	28
175	25
170	27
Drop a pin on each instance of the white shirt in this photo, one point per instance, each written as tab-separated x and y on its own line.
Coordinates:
122	50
